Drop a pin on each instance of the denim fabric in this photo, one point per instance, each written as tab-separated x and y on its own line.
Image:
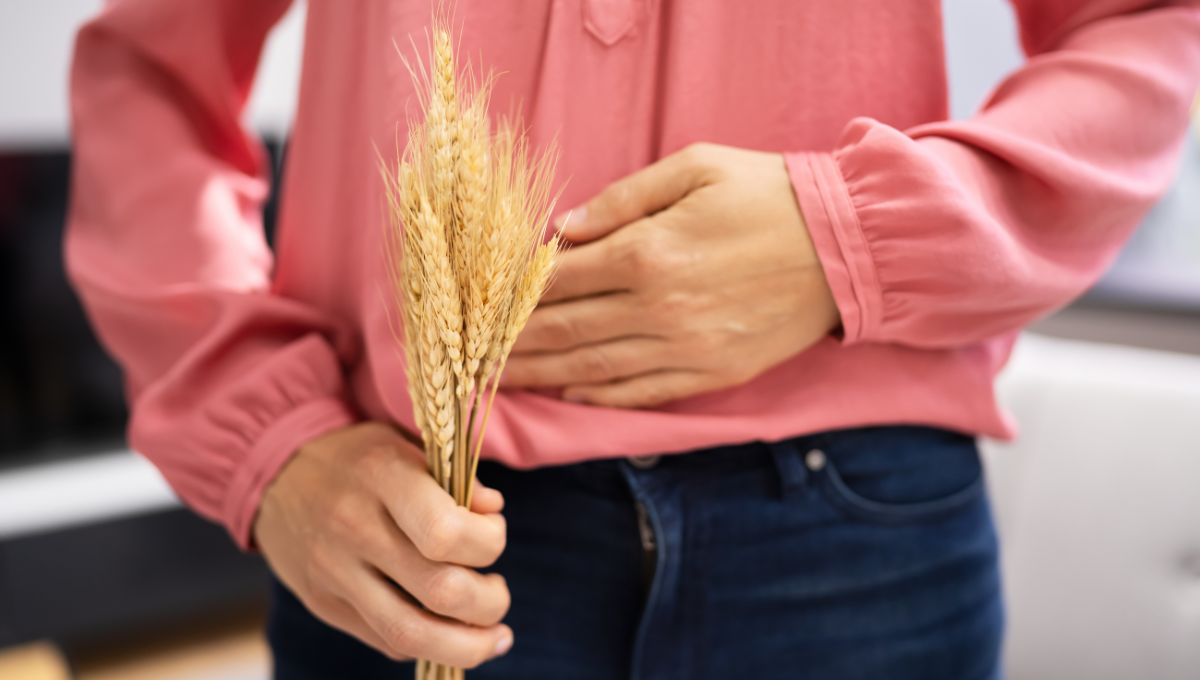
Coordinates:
866	553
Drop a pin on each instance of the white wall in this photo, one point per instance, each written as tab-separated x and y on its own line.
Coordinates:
35	53
36	39
273	100
982	46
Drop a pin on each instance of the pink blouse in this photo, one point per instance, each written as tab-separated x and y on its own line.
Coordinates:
940	239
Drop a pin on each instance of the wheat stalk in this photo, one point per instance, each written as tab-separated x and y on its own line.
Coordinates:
467	214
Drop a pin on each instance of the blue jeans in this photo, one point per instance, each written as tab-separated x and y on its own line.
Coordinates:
865	553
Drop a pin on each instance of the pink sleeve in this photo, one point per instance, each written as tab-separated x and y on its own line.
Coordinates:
955	232
165	246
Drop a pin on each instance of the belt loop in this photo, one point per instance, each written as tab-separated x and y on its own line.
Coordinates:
793	476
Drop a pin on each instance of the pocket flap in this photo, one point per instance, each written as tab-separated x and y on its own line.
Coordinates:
610	20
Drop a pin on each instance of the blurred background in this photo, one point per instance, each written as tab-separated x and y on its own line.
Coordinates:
104	575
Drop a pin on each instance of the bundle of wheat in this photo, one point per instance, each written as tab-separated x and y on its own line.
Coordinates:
468	209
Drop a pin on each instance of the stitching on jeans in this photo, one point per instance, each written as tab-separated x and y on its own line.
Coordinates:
868	510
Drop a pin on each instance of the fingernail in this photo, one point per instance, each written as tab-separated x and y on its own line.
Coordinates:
502	646
573	218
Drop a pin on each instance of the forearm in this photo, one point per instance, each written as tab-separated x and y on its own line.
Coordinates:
955	232
165	247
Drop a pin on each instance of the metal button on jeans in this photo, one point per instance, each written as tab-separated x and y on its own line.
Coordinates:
814	460
644	462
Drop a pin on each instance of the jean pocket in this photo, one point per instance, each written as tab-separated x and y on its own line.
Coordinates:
901	475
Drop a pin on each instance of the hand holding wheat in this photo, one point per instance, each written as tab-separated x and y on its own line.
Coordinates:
354	514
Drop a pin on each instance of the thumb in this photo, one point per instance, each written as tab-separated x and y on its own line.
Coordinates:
645	192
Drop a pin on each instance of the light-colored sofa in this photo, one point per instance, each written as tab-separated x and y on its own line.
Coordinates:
1098	503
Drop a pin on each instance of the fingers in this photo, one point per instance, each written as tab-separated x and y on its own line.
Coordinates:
486	500
642	391
446	589
343	616
419	537
573	323
585	270
441	530
408	630
643	193
586	365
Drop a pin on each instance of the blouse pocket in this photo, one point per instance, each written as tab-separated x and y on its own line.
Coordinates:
610	20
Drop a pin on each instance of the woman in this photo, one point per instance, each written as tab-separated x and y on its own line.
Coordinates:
788	266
